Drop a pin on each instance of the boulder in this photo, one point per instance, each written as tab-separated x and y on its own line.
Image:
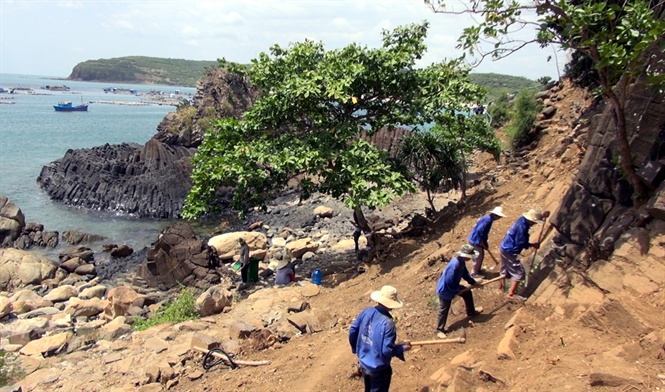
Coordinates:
72	264
12	221
74	237
40	312
656	205
299	247
115	329
323	212
213	301
312	320
179	257
19	268
86	307
121	251
240	330
122	298
97	291
227	245
82	252
62	293
46	345
5	306
85	269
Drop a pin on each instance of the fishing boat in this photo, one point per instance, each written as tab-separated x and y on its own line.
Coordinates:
67	106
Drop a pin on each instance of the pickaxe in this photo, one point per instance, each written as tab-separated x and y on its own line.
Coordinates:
464	290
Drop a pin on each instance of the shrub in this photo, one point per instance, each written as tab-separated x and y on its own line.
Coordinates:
181	309
523	116
9	370
499	110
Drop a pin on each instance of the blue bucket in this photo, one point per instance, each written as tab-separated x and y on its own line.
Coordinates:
317	275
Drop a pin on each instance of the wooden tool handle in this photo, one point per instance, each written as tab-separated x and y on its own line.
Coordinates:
438	341
498	278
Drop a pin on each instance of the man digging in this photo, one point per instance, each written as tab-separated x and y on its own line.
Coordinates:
515	241
372	337
449	285
479	237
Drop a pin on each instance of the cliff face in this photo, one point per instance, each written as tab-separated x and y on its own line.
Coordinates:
152	180
598	225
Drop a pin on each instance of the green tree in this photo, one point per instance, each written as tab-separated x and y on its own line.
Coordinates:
615	36
522	118
499	111
431	160
305	128
467	133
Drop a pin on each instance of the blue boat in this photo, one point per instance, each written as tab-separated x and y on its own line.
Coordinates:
67	106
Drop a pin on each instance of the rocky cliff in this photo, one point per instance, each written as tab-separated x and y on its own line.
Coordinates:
152	180
598	220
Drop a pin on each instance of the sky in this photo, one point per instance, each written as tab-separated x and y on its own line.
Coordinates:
48	38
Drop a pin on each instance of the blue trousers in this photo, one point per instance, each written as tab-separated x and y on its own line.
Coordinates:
378	381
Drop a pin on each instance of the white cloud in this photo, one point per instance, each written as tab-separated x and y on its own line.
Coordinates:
190	30
123	24
207	30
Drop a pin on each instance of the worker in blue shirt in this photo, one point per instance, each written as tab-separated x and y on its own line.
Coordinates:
479	236
449	285
515	241
372	337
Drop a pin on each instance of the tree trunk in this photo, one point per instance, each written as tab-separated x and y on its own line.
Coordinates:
623	147
430	200
361	221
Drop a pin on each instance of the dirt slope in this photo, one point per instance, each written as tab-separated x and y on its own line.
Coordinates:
537	346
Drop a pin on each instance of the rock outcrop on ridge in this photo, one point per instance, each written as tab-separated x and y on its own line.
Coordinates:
152	180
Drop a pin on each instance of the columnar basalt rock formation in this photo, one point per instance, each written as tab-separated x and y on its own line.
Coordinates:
152	180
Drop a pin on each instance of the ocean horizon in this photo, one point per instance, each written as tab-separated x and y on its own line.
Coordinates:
33	134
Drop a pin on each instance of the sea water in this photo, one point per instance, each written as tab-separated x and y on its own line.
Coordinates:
32	134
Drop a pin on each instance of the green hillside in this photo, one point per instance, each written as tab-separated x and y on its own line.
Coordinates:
498	84
142	70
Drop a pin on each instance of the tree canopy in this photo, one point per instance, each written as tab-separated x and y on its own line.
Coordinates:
305	128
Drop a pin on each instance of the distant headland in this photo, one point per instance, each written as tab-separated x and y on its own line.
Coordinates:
142	70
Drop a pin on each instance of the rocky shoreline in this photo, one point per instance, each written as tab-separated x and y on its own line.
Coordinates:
83	299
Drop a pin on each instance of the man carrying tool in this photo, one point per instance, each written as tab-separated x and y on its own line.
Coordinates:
479	236
449	285
515	241
372	337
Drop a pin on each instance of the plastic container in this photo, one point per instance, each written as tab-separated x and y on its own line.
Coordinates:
253	270
317	275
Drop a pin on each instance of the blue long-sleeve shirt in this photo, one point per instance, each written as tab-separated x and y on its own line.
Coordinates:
517	237
449	282
372	337
481	231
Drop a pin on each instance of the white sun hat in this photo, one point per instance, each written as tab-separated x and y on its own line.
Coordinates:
534	215
468	251
498	211
387	297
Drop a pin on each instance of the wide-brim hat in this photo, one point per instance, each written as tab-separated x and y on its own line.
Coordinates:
534	215
281	264
468	251
387	297
498	211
